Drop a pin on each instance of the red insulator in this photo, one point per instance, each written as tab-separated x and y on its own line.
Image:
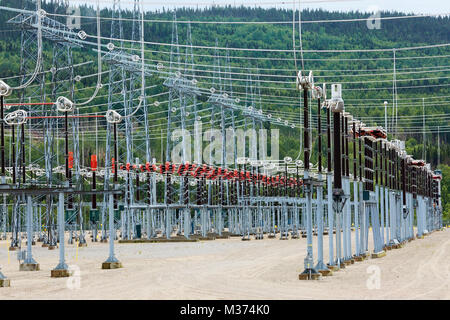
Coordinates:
70	159
93	162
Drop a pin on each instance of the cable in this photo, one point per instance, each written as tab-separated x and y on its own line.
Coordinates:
99	62
39	53
259	22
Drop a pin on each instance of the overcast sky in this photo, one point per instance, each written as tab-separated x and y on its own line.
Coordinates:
408	6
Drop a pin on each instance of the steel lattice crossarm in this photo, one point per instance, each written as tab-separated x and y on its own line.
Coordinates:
226	101
51	29
183	85
128	61
257	115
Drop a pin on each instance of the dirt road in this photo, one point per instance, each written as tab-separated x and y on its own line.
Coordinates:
231	269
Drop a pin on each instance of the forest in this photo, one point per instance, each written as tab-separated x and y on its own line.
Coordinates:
367	76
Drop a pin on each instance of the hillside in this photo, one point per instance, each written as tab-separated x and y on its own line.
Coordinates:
363	99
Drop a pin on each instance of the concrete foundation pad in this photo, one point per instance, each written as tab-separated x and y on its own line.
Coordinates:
360	258
159	240
82	244
246	239
200	237
309	276
104	240
352	261
333	268
44	245
271	236
13	248
378	254
112	265
347	262
326	273
29	267
206	238
223	237
5	283
61	273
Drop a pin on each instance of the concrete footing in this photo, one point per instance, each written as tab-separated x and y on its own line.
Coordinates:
61	273
378	254
51	247
84	244
326	273
13	248
360	258
112	265
29	267
158	240
347	262
333	267
235	235
223	237
308	275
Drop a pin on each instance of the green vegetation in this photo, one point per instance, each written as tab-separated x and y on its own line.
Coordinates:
362	99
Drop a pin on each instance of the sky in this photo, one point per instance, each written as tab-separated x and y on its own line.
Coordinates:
407	6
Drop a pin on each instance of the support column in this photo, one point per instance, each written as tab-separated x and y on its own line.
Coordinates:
61	270
29	264
111	262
